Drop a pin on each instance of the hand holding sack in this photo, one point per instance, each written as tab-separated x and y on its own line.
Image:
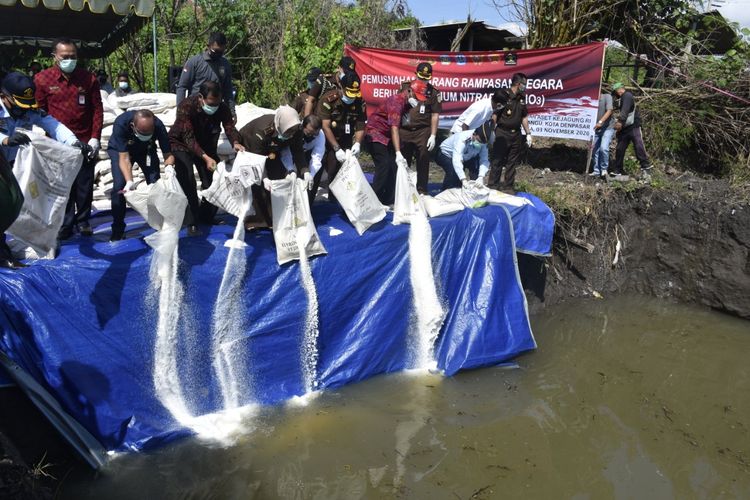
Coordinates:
407	202
293	227
341	156
356	196
230	189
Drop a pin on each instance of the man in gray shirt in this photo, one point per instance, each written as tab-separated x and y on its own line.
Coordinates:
604	130
209	65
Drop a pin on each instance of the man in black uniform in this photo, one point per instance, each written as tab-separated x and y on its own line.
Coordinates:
506	152
324	83
343	114
279	137
419	127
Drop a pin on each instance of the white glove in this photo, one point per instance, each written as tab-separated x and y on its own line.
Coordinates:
355	149
528	140
94	143
267	184
480	180
308	178
465	183
128	187
431	143
341	155
400	160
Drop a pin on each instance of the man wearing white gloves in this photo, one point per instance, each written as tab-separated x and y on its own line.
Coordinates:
466	150
71	94
506	152
134	138
419	125
342	112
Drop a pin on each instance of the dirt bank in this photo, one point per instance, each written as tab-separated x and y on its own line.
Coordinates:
680	237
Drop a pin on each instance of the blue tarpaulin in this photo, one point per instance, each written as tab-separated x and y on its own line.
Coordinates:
83	325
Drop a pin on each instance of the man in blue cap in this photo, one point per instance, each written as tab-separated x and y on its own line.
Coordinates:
19	109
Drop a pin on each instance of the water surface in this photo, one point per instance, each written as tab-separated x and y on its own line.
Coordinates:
625	398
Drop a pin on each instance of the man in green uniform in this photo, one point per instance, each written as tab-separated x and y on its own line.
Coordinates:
324	83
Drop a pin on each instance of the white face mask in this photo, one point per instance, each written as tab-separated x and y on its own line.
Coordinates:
123	85
209	110
413	102
341	75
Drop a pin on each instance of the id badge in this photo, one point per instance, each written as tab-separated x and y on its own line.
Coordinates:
347	129
81	99
421	109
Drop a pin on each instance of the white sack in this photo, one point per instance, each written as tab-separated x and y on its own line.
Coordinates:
230	188
162	203
500	198
356	196
407	202
45	171
157	102
475	195
292	220
438	208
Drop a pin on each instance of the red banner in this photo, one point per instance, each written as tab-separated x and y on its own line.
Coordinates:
562	92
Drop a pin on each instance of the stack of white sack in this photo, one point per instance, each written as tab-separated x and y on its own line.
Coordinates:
246	113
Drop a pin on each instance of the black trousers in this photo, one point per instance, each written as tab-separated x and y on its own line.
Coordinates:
201	211
384	183
11	201
506	154
275	171
624	138
118	200
78	209
414	143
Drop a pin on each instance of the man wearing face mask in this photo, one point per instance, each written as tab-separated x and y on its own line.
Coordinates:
279	138
208	66
72	95
342	112
134	137
419	127
123	85
506	152
19	110
466	150
324	83
193	139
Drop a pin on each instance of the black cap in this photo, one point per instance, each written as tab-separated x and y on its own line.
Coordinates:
485	132
500	97
21	89
424	71
347	63
351	84
313	74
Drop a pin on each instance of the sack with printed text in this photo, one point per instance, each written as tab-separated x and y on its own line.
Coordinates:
356	196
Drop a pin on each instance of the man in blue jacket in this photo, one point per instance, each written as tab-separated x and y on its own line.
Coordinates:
134	138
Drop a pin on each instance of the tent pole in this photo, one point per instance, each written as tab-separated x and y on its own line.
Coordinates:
156	66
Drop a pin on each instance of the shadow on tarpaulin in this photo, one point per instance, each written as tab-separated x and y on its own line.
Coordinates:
88	312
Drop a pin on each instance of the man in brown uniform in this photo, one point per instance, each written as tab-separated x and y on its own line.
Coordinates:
324	83
343	114
298	103
419	127
277	136
506	152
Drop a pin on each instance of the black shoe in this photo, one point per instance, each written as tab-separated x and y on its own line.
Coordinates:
64	233
117	236
85	229
193	230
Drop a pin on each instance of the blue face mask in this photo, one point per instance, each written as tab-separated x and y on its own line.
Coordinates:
209	110
309	84
477	144
68	65
347	99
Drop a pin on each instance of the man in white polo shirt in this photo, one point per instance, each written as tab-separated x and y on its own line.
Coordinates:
478	113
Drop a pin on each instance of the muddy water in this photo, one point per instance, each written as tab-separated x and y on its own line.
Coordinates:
628	398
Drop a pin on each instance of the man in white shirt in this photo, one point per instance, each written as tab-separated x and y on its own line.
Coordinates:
478	113
466	149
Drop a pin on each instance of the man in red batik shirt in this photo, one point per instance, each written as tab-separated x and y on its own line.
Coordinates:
71	95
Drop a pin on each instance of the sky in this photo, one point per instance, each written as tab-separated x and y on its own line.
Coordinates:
436	11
